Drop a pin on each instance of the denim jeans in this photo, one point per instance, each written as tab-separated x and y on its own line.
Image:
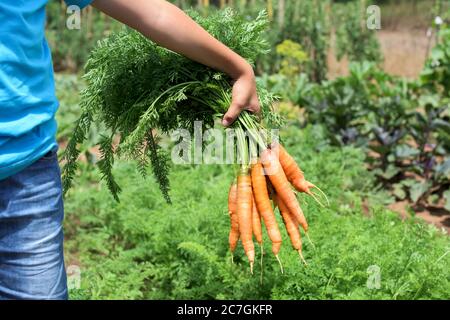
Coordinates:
31	235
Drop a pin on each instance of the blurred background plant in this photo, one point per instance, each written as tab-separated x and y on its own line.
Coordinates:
353	38
292	58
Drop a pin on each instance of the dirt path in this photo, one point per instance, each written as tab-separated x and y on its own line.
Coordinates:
404	53
437	216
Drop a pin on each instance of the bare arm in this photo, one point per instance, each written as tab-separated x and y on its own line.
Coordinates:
170	27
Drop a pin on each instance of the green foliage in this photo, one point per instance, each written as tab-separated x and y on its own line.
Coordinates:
430	130
143	248
404	126
160	164
67	91
296	89
306	23
345	105
290	83
135	86
292	58
436	74
353	38
71	47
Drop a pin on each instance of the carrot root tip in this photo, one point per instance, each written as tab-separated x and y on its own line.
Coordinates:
261	275
316	199
302	258
279	262
310	241
322	193
251	267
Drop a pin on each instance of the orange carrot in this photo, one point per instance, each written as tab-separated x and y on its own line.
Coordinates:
244	211
256	222
269	187
264	206
232	210
282	187
291	226
293	172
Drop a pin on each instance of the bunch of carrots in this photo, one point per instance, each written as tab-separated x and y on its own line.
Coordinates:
268	178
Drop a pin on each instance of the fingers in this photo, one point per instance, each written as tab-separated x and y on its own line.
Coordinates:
254	107
235	110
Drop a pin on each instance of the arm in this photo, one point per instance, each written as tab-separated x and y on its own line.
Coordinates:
170	27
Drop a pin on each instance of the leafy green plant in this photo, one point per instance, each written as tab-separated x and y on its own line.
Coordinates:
71	47
403	126
306	23
436	74
290	83
293	57
431	161
390	107
67	91
343	105
353	38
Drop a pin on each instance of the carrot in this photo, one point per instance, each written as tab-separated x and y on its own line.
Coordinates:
244	211
294	174
291	226
282	187
232	210
269	187
256	222
264	206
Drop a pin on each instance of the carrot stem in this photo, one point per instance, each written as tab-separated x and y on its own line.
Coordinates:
243	150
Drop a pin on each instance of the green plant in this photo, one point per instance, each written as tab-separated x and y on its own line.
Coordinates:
306	23
436	74
71	47
67	91
343	105
292	58
390	105
353	38
290	83
431	161
403	125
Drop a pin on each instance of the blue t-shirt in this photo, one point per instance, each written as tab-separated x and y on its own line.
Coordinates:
27	92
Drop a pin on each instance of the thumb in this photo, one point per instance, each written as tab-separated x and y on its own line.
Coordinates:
231	115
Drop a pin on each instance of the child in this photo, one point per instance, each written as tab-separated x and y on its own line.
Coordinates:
31	207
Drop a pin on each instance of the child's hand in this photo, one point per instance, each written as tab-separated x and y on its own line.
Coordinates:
244	97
